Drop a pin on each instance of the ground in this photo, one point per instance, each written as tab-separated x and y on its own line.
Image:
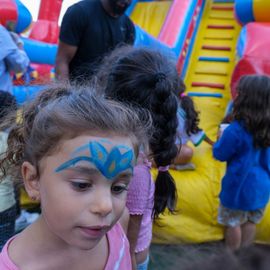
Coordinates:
169	257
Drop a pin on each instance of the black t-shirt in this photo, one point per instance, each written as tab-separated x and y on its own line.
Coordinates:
88	26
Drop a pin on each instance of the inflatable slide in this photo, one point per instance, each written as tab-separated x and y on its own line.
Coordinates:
207	68
208	78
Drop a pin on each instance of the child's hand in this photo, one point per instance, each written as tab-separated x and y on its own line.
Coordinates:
218	134
209	141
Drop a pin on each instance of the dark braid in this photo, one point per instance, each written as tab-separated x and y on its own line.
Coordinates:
148	79
163	111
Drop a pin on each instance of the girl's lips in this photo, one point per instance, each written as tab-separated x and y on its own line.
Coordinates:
95	232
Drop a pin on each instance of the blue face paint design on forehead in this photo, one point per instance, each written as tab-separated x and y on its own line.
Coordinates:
110	164
86	146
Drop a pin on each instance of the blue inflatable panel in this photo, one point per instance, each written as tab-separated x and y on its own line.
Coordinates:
146	40
244	11
198	94
214	59
40	52
190	48
24	17
241	44
131	7
25	93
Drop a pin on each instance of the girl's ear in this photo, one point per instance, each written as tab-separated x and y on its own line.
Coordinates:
31	180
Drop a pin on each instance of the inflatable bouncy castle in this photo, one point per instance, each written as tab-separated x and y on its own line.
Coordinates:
167	26
254	40
202	36
40	45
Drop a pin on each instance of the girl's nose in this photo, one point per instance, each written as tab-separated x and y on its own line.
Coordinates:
103	205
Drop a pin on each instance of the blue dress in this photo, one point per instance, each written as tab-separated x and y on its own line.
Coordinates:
246	183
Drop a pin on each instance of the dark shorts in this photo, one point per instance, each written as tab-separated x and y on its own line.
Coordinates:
233	217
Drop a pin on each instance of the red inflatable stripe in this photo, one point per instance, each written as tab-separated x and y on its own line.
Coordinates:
216	48
214	26
222	8
210	85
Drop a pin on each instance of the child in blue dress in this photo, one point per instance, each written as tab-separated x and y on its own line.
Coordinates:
245	146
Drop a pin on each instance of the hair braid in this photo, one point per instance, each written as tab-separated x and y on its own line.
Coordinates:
163	110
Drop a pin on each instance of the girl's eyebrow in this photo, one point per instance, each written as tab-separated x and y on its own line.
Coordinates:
83	170
91	171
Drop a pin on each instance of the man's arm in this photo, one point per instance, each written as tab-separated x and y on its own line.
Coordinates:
64	56
130	39
72	30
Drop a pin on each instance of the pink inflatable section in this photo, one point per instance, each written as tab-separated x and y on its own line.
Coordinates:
255	57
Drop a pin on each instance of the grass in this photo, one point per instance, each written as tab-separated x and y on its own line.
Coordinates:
169	257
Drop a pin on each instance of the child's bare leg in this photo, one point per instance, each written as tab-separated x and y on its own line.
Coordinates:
184	156
233	237
248	234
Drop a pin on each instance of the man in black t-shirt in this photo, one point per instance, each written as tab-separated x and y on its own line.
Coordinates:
90	29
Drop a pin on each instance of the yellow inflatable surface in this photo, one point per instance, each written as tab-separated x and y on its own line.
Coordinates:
150	16
196	219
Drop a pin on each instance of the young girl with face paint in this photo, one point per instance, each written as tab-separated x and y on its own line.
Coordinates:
146	79
75	152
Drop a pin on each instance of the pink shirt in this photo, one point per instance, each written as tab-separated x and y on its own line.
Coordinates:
119	256
140	200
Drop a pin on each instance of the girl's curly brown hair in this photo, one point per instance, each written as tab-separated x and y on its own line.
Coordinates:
252	107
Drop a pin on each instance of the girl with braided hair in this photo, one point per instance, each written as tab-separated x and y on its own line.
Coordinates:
147	79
